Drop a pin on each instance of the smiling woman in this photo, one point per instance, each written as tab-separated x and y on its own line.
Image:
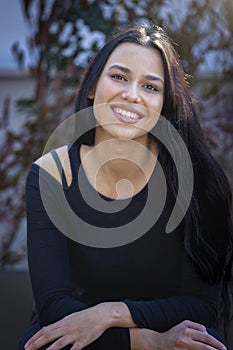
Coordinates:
141	132
131	91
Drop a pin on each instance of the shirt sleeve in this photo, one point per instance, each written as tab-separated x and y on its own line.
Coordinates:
49	265
162	314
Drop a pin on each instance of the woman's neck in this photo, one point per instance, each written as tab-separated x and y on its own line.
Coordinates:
119	168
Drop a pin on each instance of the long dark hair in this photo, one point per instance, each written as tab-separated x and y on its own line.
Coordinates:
208	242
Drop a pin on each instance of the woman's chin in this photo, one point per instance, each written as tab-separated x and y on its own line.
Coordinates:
125	132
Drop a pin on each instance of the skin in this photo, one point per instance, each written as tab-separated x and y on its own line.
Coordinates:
126	84
132	81
184	336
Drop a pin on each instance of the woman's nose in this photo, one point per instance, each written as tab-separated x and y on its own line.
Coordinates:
131	93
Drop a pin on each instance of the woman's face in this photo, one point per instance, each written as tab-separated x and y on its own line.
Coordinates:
129	94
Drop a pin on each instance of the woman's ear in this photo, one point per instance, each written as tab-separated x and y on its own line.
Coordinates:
91	94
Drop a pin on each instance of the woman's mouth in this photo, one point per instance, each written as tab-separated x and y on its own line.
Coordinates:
126	116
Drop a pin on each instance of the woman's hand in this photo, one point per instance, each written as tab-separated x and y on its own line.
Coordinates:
186	335
83	327
78	329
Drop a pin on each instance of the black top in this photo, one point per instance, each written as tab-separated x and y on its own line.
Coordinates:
152	274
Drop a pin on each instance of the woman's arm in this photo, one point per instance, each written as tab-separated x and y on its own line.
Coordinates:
48	255
49	266
73	330
162	314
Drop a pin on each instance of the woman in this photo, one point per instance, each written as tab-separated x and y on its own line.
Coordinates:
147	290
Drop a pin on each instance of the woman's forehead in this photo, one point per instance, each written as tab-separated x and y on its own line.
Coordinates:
137	56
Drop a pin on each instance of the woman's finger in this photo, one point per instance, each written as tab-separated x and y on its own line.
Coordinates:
44	336
208	339
201	339
60	343
194	325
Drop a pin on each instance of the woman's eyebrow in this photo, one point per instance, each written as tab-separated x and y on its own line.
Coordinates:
154	77
127	70
122	68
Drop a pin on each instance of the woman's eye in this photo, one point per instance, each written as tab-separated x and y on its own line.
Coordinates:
117	77
150	87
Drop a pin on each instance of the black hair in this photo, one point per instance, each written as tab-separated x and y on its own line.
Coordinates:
209	243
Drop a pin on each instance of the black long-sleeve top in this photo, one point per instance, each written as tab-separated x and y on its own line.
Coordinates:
152	274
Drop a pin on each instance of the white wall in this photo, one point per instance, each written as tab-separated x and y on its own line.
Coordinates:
15	85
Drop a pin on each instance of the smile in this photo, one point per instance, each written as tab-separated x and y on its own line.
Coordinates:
126	114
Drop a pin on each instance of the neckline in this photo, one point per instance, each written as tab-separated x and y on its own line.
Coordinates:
107	198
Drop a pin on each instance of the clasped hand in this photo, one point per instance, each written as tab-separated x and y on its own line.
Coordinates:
186	335
81	328
78	329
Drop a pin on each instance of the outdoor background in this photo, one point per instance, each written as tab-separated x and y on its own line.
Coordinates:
44	47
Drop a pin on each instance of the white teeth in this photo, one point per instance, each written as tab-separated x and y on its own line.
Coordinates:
126	113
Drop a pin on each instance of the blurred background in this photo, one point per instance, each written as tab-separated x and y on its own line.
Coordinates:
45	46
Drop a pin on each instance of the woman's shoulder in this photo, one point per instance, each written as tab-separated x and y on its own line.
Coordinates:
49	162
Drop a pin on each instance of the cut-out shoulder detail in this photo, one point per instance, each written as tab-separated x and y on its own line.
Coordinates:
48	163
